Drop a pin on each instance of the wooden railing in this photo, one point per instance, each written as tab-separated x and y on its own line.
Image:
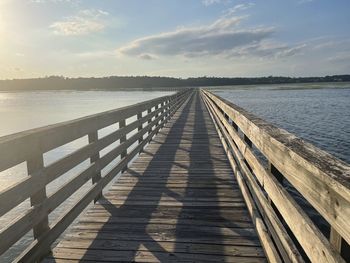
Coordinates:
286	232
30	147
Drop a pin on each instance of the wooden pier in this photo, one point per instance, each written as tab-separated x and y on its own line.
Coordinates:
190	187
177	202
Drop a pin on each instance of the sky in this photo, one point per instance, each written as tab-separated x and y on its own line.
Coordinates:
178	38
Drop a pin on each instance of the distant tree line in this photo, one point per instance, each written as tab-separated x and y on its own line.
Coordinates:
150	83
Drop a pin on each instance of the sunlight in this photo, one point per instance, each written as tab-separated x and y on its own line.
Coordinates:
4	96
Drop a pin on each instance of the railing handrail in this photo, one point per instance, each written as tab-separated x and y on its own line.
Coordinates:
302	164
45	137
328	164
157	112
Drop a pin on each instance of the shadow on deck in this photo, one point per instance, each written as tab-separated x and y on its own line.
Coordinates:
178	202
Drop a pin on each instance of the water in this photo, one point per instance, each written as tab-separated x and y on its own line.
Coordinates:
21	111
319	113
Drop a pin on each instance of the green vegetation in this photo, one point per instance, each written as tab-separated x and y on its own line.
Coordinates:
150	83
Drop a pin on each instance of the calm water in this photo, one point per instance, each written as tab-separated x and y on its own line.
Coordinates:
320	115
26	110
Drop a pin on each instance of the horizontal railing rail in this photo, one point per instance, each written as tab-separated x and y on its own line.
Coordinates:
321	179
30	146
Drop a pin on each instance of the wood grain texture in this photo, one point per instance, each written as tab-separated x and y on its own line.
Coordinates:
322	179
177	202
285	154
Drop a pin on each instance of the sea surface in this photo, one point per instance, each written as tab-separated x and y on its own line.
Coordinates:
318	113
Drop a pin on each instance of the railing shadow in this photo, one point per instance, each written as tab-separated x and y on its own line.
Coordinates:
200	164
192	228
141	230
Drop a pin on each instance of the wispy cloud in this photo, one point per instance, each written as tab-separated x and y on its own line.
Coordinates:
212	2
224	38
85	22
239	7
52	1
300	2
218	38
268	49
146	56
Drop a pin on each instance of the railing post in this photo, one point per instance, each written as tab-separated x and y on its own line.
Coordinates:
164	111
149	111
139	116
169	106
93	137
156	108
35	163
122	140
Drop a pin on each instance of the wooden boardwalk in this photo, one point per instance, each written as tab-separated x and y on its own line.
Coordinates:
177	202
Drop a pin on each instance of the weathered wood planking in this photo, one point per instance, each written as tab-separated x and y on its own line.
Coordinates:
177	202
34	186
308	169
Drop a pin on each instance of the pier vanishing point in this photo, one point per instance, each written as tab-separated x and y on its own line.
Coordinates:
188	177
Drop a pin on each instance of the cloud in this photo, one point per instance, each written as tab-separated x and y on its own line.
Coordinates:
341	57
52	1
85	22
239	7
300	2
218	38
146	56
212	2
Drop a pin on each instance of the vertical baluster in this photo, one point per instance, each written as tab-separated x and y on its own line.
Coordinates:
122	140
139	116
163	111
150	120
156	108
93	137
34	164
169	107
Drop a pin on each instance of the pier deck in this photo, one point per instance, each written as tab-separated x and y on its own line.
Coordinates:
177	202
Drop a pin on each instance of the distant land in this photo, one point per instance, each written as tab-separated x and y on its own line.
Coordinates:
150	83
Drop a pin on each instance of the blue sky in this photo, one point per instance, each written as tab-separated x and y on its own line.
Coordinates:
178	38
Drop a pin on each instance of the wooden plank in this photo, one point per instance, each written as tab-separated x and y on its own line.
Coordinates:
159	237
170	247
145	256
106	219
